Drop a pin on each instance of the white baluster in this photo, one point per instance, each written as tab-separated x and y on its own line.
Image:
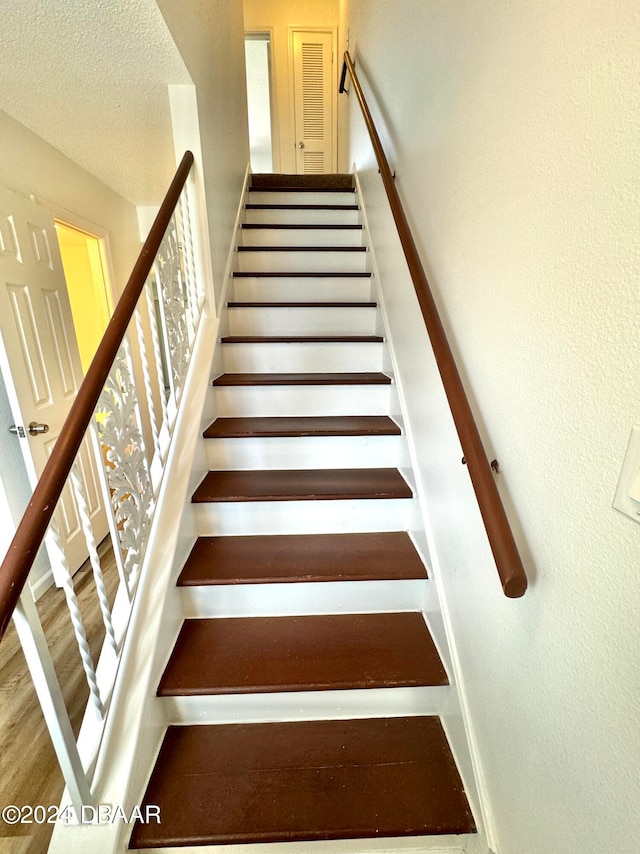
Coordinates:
45	681
108	506
189	263
172	308
157	354
147	382
94	558
55	547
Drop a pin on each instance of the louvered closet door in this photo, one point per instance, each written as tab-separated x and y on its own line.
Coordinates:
313	97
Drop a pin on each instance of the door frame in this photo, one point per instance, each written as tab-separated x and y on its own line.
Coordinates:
266	34
73	220
333	32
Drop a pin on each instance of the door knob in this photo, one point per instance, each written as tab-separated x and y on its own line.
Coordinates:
301	145
36	429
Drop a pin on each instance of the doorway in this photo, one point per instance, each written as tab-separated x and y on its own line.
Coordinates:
85	270
40	362
257	47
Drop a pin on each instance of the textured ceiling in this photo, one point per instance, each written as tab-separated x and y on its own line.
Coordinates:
90	77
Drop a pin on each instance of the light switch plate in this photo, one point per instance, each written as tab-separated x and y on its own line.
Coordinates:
629	478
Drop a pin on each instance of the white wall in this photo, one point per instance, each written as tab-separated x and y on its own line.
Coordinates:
514	130
210	37
277	16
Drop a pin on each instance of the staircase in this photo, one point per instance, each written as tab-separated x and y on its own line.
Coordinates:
303	687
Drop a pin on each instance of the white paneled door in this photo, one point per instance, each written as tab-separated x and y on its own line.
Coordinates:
39	357
313	101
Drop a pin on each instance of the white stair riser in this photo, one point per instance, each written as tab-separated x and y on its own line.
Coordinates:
389	845
301	236
244	401
303	598
302	217
291	197
302	321
303	452
290	289
306	706
319	357
304	517
291	261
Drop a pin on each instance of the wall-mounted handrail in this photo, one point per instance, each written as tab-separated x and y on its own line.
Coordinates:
505	552
33	526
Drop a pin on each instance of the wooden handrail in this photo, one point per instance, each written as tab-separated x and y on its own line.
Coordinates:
505	552
33	525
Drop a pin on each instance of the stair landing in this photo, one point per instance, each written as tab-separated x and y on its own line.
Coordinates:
306	780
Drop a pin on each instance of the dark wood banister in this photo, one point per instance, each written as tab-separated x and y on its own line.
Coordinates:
33	525
505	552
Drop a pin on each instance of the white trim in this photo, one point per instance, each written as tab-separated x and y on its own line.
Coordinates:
185	124
276	158
99	232
333	705
71	218
145	215
40	587
278	599
232	254
394	845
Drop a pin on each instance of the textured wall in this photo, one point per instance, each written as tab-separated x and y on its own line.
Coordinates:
91	78
29	165
514	129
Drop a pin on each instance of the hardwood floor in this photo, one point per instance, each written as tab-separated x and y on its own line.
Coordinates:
29	772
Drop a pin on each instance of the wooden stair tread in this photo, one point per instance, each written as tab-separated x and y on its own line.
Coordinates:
318	304
318	425
304	780
267	558
302	485
302	339
246	655
277	189
339	181
302	379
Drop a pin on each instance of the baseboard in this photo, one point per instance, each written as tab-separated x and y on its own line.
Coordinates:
458	724
40	587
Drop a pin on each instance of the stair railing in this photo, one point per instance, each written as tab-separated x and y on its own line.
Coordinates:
144	356
505	552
